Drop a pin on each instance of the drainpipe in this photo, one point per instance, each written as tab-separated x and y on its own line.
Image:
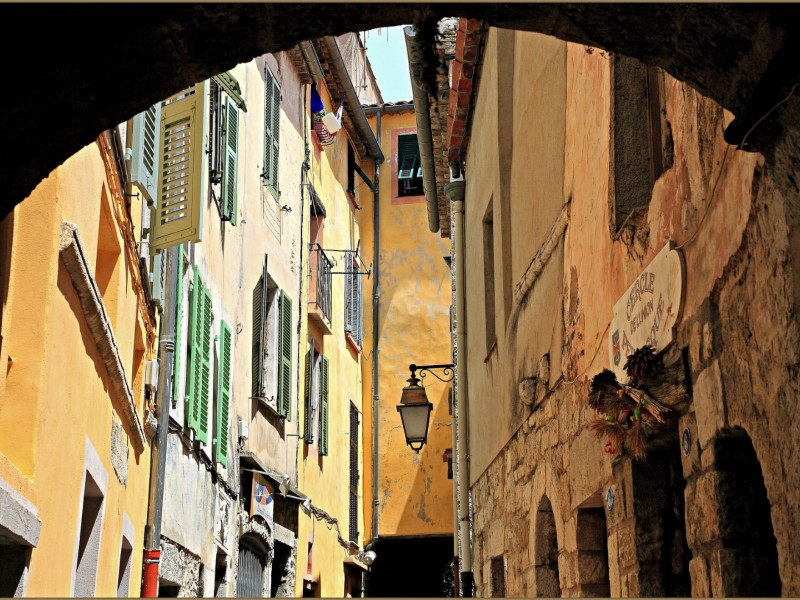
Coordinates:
158	451
455	191
424	135
376	300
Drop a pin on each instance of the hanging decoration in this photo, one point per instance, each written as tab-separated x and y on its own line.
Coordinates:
631	412
325	125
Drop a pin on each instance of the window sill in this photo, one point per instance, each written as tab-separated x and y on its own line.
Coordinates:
351	342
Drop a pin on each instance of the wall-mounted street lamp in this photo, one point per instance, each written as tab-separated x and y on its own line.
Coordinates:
414	408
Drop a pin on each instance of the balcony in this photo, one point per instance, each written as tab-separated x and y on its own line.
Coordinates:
319	305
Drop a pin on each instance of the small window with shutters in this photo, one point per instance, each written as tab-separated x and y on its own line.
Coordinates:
409	166
223	395
272	130
226	106
199	359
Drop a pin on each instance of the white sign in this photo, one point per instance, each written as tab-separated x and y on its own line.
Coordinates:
649	310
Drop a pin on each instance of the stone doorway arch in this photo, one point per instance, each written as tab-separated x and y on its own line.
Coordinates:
548	584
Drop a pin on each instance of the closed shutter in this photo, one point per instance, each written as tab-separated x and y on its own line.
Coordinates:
259	323
199	359
323	408
309	404
359	309
229	172
195	354
250	572
272	119
223	395
178	212
354	476
144	151
285	356
176	370
202	427
158	278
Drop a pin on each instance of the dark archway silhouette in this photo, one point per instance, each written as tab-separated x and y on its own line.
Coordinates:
75	70
745	520
546	552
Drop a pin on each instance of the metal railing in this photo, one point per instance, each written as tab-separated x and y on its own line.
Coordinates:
321	268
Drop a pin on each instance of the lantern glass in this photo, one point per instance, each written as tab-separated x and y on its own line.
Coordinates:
415	411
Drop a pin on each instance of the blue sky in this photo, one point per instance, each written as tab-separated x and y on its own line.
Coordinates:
386	50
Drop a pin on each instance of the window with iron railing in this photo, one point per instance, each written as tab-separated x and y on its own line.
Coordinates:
321	268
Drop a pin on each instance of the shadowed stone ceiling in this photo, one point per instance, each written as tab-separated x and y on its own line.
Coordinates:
74	70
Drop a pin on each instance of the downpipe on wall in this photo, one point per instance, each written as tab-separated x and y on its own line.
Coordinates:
158	451
455	192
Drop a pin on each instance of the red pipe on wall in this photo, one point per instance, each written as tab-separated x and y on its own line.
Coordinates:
152	558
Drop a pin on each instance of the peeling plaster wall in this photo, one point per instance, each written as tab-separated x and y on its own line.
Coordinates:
738	334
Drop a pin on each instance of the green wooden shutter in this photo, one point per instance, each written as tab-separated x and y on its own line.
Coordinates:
144	151
223	396
176	372
407	156
272	120
229	171
309	430
259	323
205	369
323	408
193	365
178	213
285	356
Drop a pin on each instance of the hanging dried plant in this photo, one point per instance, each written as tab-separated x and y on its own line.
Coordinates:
630	412
643	365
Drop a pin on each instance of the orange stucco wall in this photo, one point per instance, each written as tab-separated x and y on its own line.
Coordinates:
414	494
57	393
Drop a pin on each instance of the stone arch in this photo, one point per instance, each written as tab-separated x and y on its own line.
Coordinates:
546	550
746	549
741	56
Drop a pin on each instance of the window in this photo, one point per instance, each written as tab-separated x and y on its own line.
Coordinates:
409	166
90	529
223	144
488	277
498	574
272	130
323	406
354	476
199	359
272	345
124	575
641	144
223	395
313	361
353	309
